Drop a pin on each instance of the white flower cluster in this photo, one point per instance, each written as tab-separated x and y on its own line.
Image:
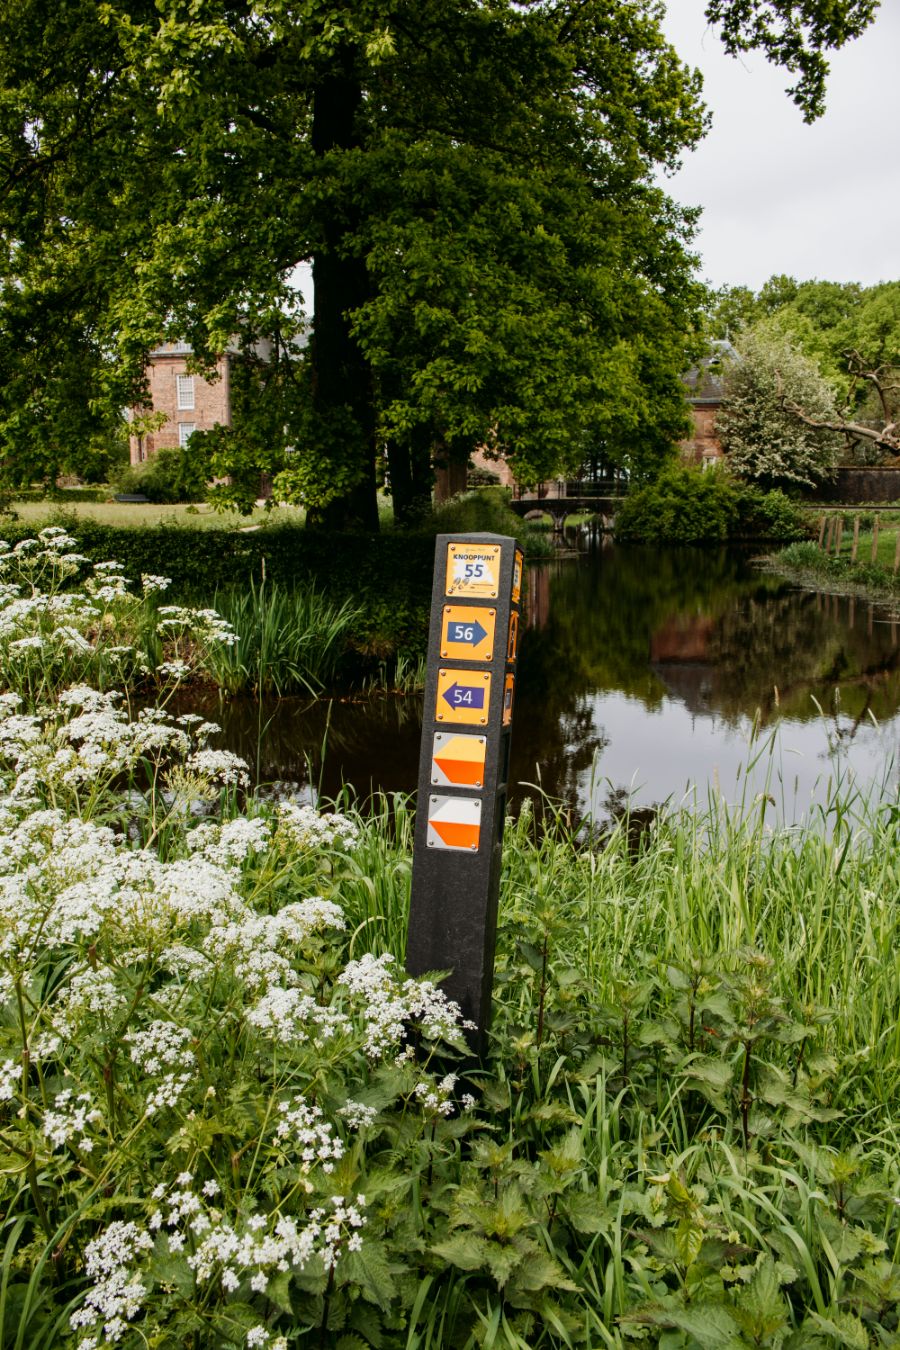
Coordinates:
357	1115
220	767
153	585
231	843
289	1016
72	1116
117	1294
256	945
203	624
392	1005
89	738
10	1077
436	1099
92	996
260	1248
163	1050
164	1045
303	826
305	1127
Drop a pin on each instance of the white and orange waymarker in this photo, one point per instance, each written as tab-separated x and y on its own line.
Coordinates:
464	761
458	761
454	822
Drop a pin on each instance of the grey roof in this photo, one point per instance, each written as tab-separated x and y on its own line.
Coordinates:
704	382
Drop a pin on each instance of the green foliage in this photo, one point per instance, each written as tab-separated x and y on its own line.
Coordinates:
487	511
684	506
684	1132
764	441
846	329
769	515
288	641
795	34
476	188
817	568
167	477
688	506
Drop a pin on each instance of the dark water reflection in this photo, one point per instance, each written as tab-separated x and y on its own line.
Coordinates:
641	672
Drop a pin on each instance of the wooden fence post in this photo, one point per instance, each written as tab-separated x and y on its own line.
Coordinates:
855	549
829	534
897	553
822	520
874	557
839	533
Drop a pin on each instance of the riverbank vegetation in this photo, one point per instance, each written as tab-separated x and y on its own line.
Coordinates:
809	564
685	505
228	1120
384	580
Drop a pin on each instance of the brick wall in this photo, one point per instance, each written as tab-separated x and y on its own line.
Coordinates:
212	402
704	445
861	485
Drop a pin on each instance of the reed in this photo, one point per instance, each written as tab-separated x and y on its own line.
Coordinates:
288	641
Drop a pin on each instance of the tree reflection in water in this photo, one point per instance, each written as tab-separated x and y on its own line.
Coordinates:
633	660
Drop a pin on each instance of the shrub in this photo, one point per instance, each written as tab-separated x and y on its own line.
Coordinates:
683	506
688	506
167	477
768	515
765	442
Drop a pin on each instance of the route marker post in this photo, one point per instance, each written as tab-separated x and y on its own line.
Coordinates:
464	766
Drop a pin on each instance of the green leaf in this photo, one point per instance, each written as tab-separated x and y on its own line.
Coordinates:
463	1250
845	1327
369	1269
538	1270
585	1213
760	1308
171	1268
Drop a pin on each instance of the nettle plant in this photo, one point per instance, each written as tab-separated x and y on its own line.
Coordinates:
64	620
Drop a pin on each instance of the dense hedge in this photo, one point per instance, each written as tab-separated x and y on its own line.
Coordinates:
687	506
63	496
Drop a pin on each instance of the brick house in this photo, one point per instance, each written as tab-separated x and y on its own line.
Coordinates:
705	390
189	402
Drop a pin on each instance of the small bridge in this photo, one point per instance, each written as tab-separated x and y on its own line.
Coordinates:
560	506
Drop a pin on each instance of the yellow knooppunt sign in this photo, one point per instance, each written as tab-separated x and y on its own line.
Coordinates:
473	569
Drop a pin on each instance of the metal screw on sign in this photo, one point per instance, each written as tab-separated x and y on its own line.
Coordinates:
463	767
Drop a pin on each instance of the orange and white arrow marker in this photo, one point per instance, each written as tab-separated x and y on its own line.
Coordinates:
454	822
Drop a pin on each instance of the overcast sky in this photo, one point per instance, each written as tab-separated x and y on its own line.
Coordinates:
820	201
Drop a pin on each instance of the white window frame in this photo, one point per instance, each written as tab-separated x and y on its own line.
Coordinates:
185	432
184	392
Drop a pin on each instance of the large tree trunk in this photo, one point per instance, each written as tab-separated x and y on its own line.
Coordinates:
451	470
342	385
409	461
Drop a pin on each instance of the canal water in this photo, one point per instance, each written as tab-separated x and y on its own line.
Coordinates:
644	675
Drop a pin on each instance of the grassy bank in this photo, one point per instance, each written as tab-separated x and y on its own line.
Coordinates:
872	574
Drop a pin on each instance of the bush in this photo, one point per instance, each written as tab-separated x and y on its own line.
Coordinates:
63	496
683	506
687	506
166	478
768	515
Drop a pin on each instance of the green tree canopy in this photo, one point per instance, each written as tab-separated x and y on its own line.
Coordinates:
473	182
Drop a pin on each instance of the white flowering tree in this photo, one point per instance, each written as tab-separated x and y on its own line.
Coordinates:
764	441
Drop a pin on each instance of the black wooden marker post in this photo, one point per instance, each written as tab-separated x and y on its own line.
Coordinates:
463	767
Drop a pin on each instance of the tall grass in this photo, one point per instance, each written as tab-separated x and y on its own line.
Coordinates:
289	641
